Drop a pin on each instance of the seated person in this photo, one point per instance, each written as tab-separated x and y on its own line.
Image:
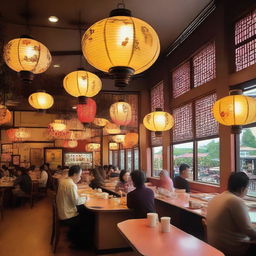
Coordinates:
43	177
103	172
97	180
165	181
115	172
180	181
5	171
23	183
141	200
124	184
228	221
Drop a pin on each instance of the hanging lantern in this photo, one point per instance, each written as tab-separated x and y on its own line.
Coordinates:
41	100
18	134
111	128
235	109
118	138
131	139
27	56
82	84
58	129
92	147
5	115
86	112
58	125
121	45
113	146
100	121
69	144
158	121
121	113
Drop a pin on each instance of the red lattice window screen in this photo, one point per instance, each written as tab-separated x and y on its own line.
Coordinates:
182	129
206	125
181	80
204	66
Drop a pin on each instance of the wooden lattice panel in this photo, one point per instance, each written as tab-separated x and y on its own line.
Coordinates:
157	97
156	141
182	129
206	125
181	80
204	66
245	28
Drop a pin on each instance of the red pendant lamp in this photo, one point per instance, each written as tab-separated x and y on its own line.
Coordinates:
86	112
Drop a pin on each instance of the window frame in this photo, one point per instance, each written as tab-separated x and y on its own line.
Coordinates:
152	162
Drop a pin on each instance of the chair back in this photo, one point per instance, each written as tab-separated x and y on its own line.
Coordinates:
204	224
1	197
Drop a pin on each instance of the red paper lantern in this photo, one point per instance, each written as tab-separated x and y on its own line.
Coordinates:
86	112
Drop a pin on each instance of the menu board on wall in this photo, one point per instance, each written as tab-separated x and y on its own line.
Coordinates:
82	159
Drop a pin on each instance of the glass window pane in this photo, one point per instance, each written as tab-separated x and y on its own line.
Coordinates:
122	161
110	156
136	159
115	158
183	154
208	161
157	160
129	160
248	157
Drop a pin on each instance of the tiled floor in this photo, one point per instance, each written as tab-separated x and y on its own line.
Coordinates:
26	232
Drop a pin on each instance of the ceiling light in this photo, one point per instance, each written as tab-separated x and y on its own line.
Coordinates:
53	19
56	65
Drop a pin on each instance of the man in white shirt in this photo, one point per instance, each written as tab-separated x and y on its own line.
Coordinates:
43	178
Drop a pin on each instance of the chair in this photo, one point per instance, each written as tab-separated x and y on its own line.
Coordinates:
204	224
32	193
2	203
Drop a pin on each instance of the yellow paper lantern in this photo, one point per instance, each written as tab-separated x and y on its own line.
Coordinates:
118	138
100	121
158	121
121	43
82	83
72	143
5	115
113	146
92	147
41	100
111	128
131	139
58	125
26	54
235	110
121	113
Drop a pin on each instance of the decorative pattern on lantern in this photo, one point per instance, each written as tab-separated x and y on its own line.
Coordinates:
131	140
41	100
121	113
113	146
111	128
82	83
100	121
235	110
118	138
19	134
158	121
26	54
5	115
58	129
92	147
86	112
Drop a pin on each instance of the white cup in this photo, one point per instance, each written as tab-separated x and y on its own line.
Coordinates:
99	190
165	224
152	219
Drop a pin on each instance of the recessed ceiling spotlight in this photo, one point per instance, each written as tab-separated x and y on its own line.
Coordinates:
53	19
56	65
74	107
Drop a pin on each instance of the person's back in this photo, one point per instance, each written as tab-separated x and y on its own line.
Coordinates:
180	181
43	179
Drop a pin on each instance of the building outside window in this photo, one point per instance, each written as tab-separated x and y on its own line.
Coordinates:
157	160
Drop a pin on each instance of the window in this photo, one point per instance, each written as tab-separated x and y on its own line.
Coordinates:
122	159
115	158
110	156
157	160
208	161
129	160
245	41
183	154
136	159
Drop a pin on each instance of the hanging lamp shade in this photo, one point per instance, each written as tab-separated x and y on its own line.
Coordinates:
118	138
131	139
92	147
100	121
121	113
58	125
41	100
111	128
70	143
5	115
158	121
113	146
86	112
235	110
82	83
121	45
18	134
27	56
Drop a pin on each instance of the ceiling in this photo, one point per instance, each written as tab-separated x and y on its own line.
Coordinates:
168	17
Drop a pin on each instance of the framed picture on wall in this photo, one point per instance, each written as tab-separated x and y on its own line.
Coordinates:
53	156
6	148
36	156
16	159
6	157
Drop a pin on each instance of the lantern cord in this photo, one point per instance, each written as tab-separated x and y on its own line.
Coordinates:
80	36
121	4
27	16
